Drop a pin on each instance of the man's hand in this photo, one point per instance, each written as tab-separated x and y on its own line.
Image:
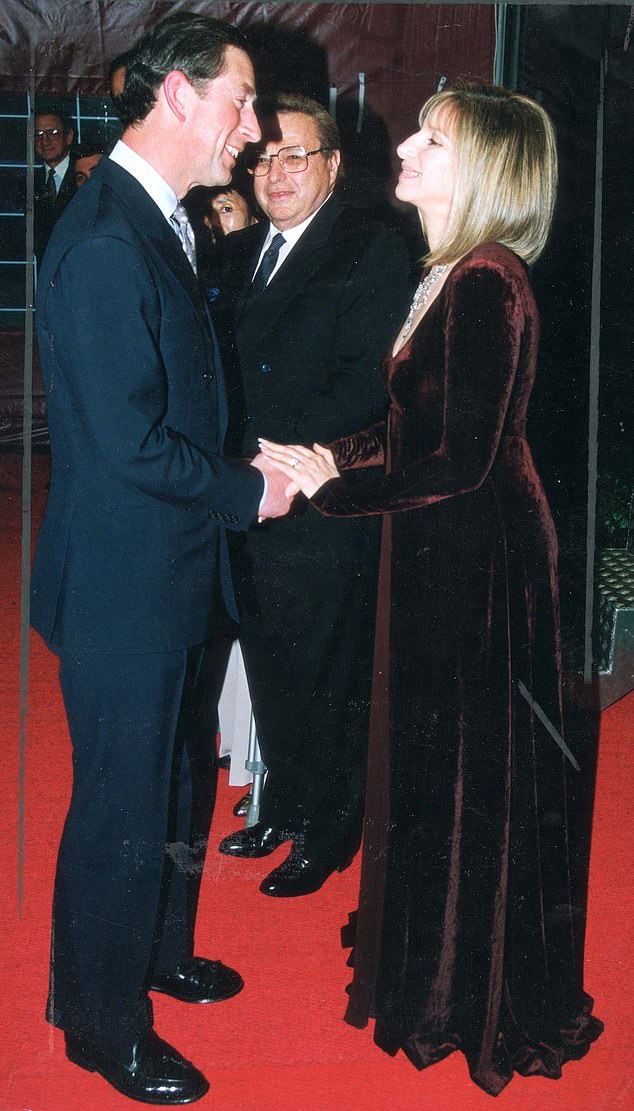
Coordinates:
279	492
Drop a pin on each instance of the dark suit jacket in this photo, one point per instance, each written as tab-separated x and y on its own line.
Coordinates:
309	347
45	214
132	550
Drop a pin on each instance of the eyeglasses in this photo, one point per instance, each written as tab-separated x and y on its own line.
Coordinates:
50	132
292	160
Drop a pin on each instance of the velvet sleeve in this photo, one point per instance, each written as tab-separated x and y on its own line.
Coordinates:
362	449
484	320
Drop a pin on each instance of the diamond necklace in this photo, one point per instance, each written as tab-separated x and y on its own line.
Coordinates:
421	297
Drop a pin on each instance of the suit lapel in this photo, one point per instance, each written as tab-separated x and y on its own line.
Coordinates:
168	245
67	188
146	215
243	265
258	315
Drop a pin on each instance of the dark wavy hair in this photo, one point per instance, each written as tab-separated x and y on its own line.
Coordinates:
194	44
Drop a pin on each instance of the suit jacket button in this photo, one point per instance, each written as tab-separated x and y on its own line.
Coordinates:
265	368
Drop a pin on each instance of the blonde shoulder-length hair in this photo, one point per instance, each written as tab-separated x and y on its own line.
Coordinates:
505	178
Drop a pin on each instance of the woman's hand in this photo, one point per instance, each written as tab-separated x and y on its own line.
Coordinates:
307	470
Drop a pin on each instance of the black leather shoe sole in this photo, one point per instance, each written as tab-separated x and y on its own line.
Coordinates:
144	1081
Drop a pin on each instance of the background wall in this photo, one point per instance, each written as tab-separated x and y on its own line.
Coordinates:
372	64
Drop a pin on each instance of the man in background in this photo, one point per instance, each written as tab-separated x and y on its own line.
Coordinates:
55	184
87	156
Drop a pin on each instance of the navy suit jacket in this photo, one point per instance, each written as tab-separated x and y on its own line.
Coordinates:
132	551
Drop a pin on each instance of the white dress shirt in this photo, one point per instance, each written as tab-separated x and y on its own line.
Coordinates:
60	172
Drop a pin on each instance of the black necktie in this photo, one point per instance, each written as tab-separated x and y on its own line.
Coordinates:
267	266
51	190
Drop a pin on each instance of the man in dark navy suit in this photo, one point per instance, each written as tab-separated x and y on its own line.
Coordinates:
320	289
131	582
55	182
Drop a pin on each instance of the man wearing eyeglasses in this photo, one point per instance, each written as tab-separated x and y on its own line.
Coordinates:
55	186
318	292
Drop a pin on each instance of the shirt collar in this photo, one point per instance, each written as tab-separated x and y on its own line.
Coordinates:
61	168
161	193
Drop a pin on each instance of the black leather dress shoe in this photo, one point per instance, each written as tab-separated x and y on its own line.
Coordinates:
257	840
301	874
198	981
154	1073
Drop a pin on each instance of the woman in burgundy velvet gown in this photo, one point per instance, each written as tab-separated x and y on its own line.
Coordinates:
467	934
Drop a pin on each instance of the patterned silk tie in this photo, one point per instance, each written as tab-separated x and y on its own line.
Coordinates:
266	267
185	233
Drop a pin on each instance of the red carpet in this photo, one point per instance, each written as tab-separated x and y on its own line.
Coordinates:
281	1044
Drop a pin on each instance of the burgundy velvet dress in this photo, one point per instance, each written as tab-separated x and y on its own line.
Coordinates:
468	935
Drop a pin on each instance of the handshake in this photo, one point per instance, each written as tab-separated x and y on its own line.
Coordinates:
289	469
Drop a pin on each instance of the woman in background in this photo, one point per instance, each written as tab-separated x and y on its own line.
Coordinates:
469	934
228	210
215	213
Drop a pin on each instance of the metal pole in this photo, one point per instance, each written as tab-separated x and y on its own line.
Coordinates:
595	356
254	765
27	428
507	45
500	44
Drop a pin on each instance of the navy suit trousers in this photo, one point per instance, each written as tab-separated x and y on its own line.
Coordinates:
132	851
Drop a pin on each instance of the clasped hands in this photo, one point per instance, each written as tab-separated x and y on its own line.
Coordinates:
289	469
